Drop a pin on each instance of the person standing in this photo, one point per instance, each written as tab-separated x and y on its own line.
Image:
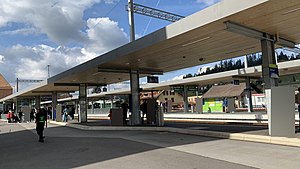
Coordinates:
125	107
225	105
20	116
41	119
65	114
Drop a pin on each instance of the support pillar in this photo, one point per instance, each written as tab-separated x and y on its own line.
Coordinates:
199	105
93	111
82	116
38	102
279	100
111	102
268	57
17	106
54	103
135	97
185	99
249	95
231	105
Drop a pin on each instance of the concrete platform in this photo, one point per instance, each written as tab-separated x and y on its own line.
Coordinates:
233	131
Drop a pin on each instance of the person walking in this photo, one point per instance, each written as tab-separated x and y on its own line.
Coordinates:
41	119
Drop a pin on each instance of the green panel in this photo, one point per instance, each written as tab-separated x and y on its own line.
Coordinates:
214	104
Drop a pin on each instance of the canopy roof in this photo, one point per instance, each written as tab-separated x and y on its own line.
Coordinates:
197	39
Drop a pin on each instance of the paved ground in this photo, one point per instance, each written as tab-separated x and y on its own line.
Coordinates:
72	148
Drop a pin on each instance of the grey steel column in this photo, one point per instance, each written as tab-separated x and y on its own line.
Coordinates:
17	109
185	99
245	61
249	95
38	102
135	97
268	57
82	116
54	103
92	112
131	20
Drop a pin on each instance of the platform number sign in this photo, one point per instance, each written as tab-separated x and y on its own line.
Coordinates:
152	79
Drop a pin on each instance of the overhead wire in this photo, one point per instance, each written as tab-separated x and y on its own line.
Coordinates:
146	29
111	9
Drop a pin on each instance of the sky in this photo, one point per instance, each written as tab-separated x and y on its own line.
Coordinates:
60	34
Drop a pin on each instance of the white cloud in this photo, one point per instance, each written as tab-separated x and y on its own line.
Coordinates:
1	59
208	2
23	31
62	20
28	62
104	34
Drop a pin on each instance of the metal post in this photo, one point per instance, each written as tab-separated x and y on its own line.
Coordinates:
131	20
249	95
38	102
17	84
268	57
93	111
54	103
48	66
245	61
82	116
185	99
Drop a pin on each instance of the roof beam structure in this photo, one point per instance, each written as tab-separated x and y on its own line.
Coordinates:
141	71
155	13
252	33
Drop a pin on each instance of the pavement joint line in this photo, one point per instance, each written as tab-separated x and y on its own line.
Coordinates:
295	142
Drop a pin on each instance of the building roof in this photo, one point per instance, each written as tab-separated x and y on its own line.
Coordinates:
3	83
229	90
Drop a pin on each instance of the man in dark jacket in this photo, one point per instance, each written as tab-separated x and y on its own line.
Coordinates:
40	120
125	107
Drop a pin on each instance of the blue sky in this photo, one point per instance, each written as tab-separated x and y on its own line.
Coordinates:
63	34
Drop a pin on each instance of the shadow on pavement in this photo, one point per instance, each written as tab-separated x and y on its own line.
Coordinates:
68	148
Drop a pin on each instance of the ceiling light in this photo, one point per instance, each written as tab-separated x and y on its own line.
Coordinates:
291	11
196	41
243	30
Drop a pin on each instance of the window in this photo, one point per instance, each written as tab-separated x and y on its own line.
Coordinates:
172	92
172	99
167	92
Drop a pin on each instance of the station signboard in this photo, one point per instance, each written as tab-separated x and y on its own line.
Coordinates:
152	79
177	88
